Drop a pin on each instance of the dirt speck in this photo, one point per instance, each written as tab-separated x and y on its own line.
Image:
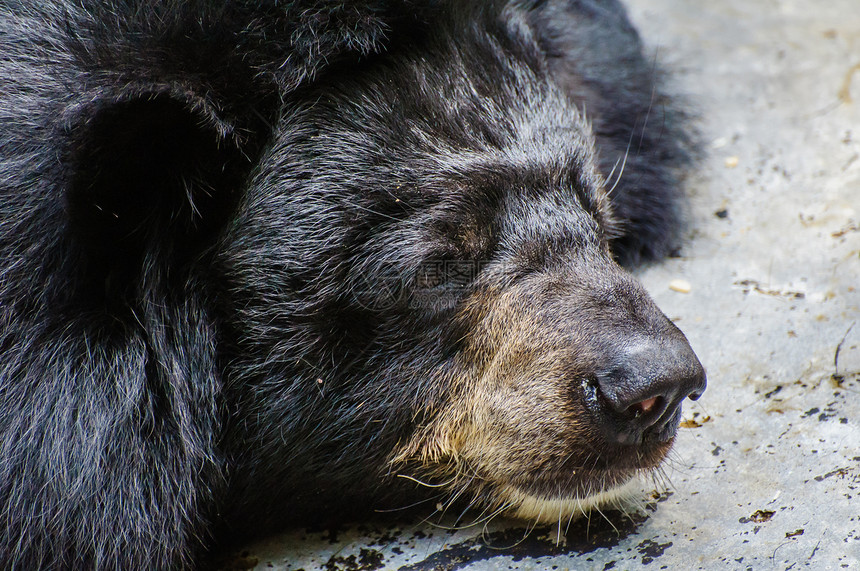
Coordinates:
759	516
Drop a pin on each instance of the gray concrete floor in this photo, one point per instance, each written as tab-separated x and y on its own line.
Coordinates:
766	472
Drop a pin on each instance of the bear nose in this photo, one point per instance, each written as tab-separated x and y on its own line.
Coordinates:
644	387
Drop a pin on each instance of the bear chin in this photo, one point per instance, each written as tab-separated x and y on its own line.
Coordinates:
557	509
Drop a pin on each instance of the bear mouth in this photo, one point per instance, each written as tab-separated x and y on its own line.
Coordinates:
568	492
552	495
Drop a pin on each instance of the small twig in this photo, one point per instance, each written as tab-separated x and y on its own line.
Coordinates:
838	349
811	555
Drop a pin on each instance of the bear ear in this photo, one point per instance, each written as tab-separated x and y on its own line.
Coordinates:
150	165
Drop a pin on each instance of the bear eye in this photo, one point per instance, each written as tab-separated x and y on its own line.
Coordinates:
442	283
453	274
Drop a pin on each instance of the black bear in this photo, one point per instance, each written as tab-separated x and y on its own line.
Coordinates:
258	259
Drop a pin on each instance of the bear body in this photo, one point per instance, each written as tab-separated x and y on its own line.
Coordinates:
259	260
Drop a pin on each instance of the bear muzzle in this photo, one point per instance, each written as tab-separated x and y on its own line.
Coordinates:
580	389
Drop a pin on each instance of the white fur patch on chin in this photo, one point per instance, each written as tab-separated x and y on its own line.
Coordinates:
552	510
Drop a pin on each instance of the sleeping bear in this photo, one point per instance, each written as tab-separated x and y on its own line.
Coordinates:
265	260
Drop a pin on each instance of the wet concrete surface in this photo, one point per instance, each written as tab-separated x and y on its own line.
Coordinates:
765	473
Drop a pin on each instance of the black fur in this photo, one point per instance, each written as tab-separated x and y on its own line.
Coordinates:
216	224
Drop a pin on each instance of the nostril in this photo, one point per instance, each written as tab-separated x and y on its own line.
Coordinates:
642	408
